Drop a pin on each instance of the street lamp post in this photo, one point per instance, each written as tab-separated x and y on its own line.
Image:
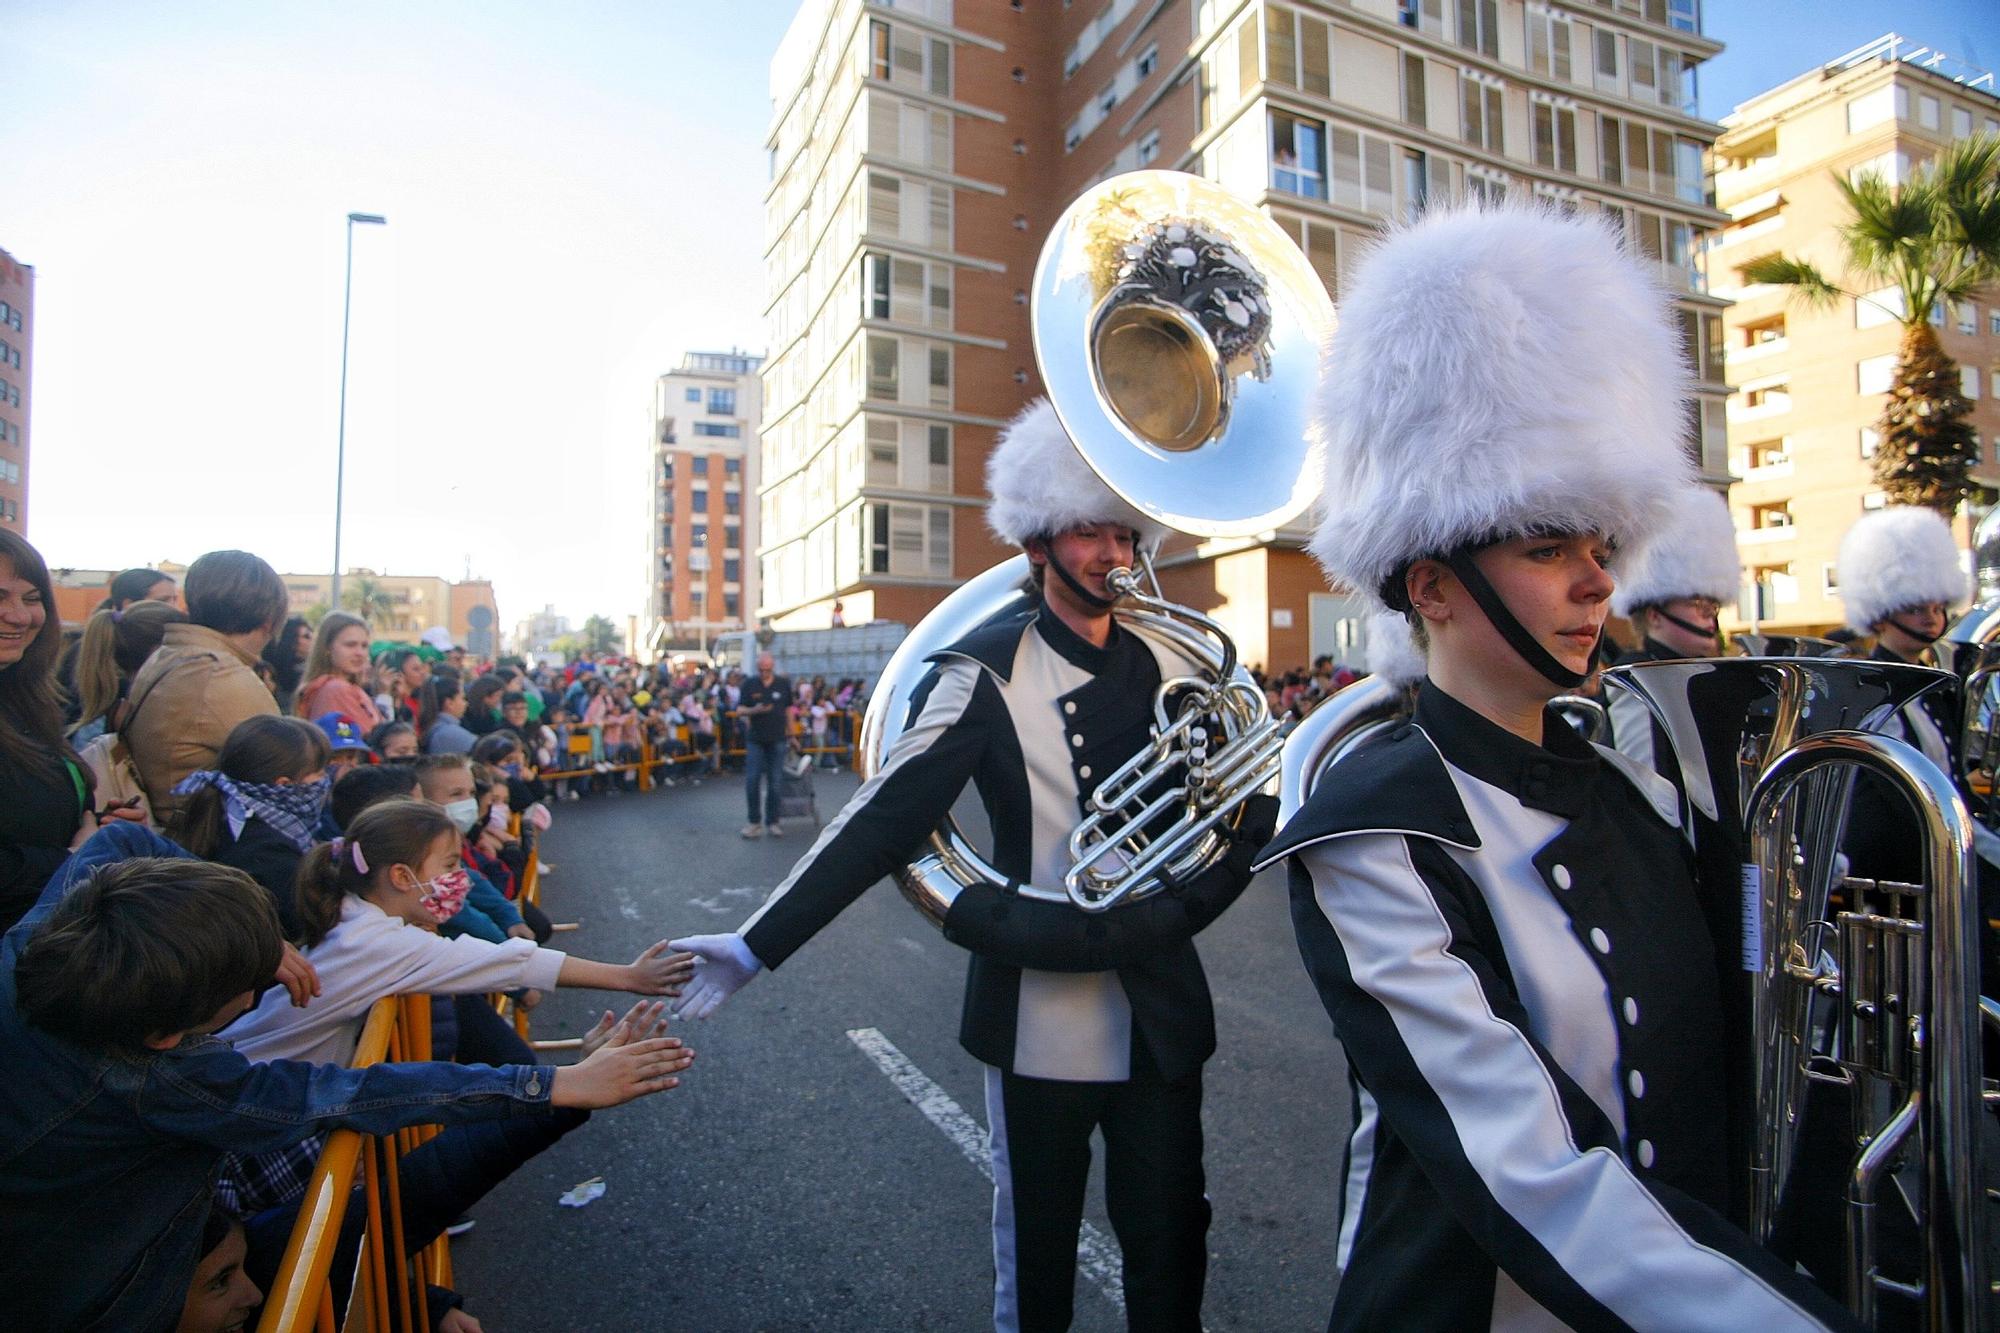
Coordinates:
340	445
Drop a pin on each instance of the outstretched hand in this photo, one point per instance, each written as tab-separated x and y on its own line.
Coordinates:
725	966
644	1020
657	972
616	1074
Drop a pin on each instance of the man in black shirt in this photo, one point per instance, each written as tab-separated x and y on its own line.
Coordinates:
763	704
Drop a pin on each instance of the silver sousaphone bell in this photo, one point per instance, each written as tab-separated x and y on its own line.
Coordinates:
1178	331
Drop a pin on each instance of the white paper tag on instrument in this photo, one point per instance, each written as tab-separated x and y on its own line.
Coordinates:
1753	918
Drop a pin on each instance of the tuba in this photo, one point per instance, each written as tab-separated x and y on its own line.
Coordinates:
1861	992
1970	650
1177	330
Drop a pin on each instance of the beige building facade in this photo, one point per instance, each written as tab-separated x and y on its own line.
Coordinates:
702	542
1808	385
921	152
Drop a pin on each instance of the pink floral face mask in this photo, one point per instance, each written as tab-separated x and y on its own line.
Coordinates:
444	896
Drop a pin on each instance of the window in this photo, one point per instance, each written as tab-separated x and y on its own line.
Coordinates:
1479	26
732	605
732	569
1774	395
1148	61
874	286
699	465
1968	381
1961	122
1548	44
1993	322
694	395
1416	183
1295	52
1874	374
1756	333
1413	90
1768	453
940	377
719	430
1480	113
722	402
882	367
1871	439
698	503
1555	134
1488	187
1363	170
1298	155
1927	112
732	467
732	502
1607	60
1968	318
1766	516
1149	147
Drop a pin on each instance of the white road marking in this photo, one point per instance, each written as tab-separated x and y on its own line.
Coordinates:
914	946
1096	1254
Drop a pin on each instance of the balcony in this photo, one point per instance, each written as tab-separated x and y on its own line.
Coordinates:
1736	356
1765	536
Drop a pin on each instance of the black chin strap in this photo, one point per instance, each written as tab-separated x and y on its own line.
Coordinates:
1516	634
1916	634
1090	598
1673	619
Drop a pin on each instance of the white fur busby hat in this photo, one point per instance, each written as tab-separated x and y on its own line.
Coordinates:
1496	372
1896	558
1039	485
1692	554
1393	653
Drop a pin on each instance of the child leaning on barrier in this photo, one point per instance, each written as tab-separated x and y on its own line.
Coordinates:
371	901
122	1099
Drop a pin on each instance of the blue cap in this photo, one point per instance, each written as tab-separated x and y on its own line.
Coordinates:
340	732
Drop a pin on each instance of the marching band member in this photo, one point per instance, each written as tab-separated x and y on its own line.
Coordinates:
1673	589
1083	1021
1899	578
1501	919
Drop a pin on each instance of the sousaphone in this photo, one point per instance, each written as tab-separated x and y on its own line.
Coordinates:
1177	330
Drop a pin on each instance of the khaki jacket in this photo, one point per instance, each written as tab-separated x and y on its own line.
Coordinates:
183	704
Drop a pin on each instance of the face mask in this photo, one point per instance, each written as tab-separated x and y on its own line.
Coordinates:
463	814
444	896
512	770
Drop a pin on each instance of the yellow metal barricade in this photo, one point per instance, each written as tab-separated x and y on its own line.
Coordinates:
301	1295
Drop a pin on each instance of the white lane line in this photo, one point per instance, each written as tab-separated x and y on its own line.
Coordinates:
1096	1255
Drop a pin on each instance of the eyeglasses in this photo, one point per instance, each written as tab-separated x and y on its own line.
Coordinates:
1707	606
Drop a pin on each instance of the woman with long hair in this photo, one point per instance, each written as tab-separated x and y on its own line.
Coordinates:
115	644
337	675
286	655
440	706
45	790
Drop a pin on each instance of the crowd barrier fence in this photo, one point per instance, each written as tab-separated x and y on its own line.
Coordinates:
388	1289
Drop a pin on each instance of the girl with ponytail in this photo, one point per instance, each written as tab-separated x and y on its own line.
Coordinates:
369	905
115	644
260	808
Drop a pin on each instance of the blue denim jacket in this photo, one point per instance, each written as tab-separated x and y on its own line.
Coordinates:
107	1160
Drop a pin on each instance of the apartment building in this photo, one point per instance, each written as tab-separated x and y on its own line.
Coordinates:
921	152
702	541
1809	384
17	362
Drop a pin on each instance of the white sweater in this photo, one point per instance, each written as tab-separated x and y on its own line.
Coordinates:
368	955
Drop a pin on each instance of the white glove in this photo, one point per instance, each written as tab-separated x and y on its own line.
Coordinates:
723	966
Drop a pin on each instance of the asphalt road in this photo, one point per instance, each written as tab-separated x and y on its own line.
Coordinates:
791	1184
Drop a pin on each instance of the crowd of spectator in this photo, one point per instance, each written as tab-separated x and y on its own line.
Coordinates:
215	817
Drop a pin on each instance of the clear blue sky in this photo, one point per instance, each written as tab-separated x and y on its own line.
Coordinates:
574	196
1770	42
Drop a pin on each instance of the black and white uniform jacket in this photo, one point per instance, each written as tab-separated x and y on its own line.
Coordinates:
1508	940
1036	717
1634	730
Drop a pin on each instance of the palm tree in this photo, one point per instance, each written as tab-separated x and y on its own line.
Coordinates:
367	598
1935	241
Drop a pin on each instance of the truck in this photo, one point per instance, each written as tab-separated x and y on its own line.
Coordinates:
859	651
